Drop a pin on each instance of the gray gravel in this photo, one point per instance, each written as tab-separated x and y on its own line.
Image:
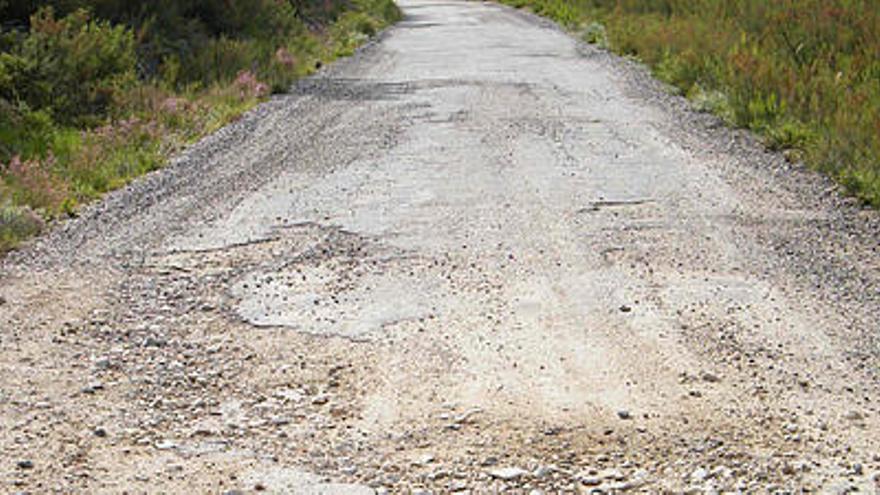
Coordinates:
477	256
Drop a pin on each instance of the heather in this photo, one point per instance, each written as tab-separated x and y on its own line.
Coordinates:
94	93
804	74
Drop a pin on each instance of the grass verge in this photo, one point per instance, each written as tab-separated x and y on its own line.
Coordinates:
81	113
804	74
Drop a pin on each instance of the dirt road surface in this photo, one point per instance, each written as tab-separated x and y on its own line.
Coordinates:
477	256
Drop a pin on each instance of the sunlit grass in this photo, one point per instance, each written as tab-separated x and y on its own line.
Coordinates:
805	74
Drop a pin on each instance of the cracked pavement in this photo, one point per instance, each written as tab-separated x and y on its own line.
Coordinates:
478	256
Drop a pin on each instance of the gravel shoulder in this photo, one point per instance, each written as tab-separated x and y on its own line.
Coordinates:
477	256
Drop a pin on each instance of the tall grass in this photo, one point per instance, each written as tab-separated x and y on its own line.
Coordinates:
805	74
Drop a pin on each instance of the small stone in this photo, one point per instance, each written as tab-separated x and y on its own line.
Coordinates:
280	421
100	432
612	474
166	445
589	480
102	363
467	415
2	301
853	416
542	472
152	341
710	377
25	464
699	475
457	486
858	469
508	473
624	414
438	475
625	309
321	400
259	487
93	387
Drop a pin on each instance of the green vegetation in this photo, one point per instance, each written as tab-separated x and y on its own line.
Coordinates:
805	74
94	93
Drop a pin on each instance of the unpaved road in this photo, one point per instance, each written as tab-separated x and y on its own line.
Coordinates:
476	256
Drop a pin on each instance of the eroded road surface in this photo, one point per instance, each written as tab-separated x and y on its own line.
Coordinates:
477	256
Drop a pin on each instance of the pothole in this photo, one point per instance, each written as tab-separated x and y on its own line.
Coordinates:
339	296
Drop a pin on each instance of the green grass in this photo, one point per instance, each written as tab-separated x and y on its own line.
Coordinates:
804	74
53	160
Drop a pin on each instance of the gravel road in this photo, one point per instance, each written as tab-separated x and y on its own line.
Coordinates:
478	256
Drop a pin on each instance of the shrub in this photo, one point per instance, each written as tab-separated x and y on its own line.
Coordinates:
33	183
595	34
17	223
71	67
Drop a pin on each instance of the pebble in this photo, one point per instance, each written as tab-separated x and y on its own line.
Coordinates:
542	472
457	486
710	377
624	414
588	480
166	445
699	475
612	474
625	309
93	387
467	415
100	432
508	473
25	464
152	341
853	416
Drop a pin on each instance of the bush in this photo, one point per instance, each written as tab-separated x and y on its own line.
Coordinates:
72	68
33	183
17	223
